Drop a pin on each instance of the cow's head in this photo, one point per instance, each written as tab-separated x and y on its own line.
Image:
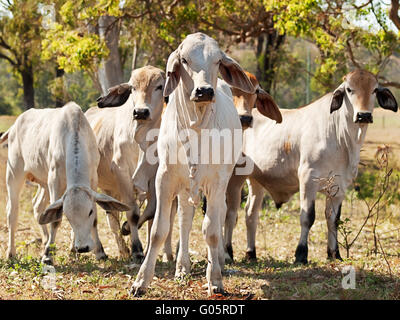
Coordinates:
245	102
145	87
360	88
145	90
79	206
196	63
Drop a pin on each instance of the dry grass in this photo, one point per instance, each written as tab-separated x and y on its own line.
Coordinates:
273	276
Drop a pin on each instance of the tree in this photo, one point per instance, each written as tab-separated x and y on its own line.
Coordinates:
342	45
20	43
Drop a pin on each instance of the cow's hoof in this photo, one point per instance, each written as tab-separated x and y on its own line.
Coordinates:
101	257
229	254
301	254
125	229
251	256
137	291
11	255
137	258
334	255
47	260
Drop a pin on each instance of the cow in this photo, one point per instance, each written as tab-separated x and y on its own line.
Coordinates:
197	104
245	102
312	143
121	137
63	161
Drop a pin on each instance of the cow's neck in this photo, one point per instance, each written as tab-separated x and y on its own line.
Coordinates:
190	121
189	115
350	135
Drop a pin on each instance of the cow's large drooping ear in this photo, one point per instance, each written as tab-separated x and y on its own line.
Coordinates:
116	96
234	75
337	98
173	73
109	203
386	99
266	106
53	213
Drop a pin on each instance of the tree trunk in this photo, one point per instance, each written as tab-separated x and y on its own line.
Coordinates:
110	72
60	97
267	53
29	91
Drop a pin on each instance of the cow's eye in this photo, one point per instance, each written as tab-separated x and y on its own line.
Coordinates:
349	90
90	213
159	87
184	61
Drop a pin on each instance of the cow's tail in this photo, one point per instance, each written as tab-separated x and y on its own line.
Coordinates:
4	136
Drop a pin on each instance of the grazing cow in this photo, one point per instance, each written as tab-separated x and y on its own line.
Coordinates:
63	161
121	134
319	140
196	105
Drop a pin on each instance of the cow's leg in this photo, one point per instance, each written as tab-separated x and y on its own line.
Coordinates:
185	216
98	246
14	180
168	242
113	223
40	202
136	245
253	206
233	198
308	191
165	195
332	214
212	231
55	192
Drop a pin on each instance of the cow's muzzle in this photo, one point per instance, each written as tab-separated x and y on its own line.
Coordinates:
203	94
246	121
364	117
83	249
141	113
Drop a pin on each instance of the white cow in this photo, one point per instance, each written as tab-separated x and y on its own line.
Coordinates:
196	106
121	134
63	160
314	142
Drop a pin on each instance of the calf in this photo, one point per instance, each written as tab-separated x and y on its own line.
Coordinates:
245	102
121	134
197	104
63	161
310	144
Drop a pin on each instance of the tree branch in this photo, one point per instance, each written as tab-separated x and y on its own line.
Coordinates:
3	56
394	13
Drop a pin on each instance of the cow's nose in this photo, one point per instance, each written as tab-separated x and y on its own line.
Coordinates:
141	113
246	120
204	94
364	117
83	249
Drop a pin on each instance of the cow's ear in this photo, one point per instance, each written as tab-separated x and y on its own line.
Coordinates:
266	106
386	99
234	75
53	213
337	98
173	73
116	96
109	203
